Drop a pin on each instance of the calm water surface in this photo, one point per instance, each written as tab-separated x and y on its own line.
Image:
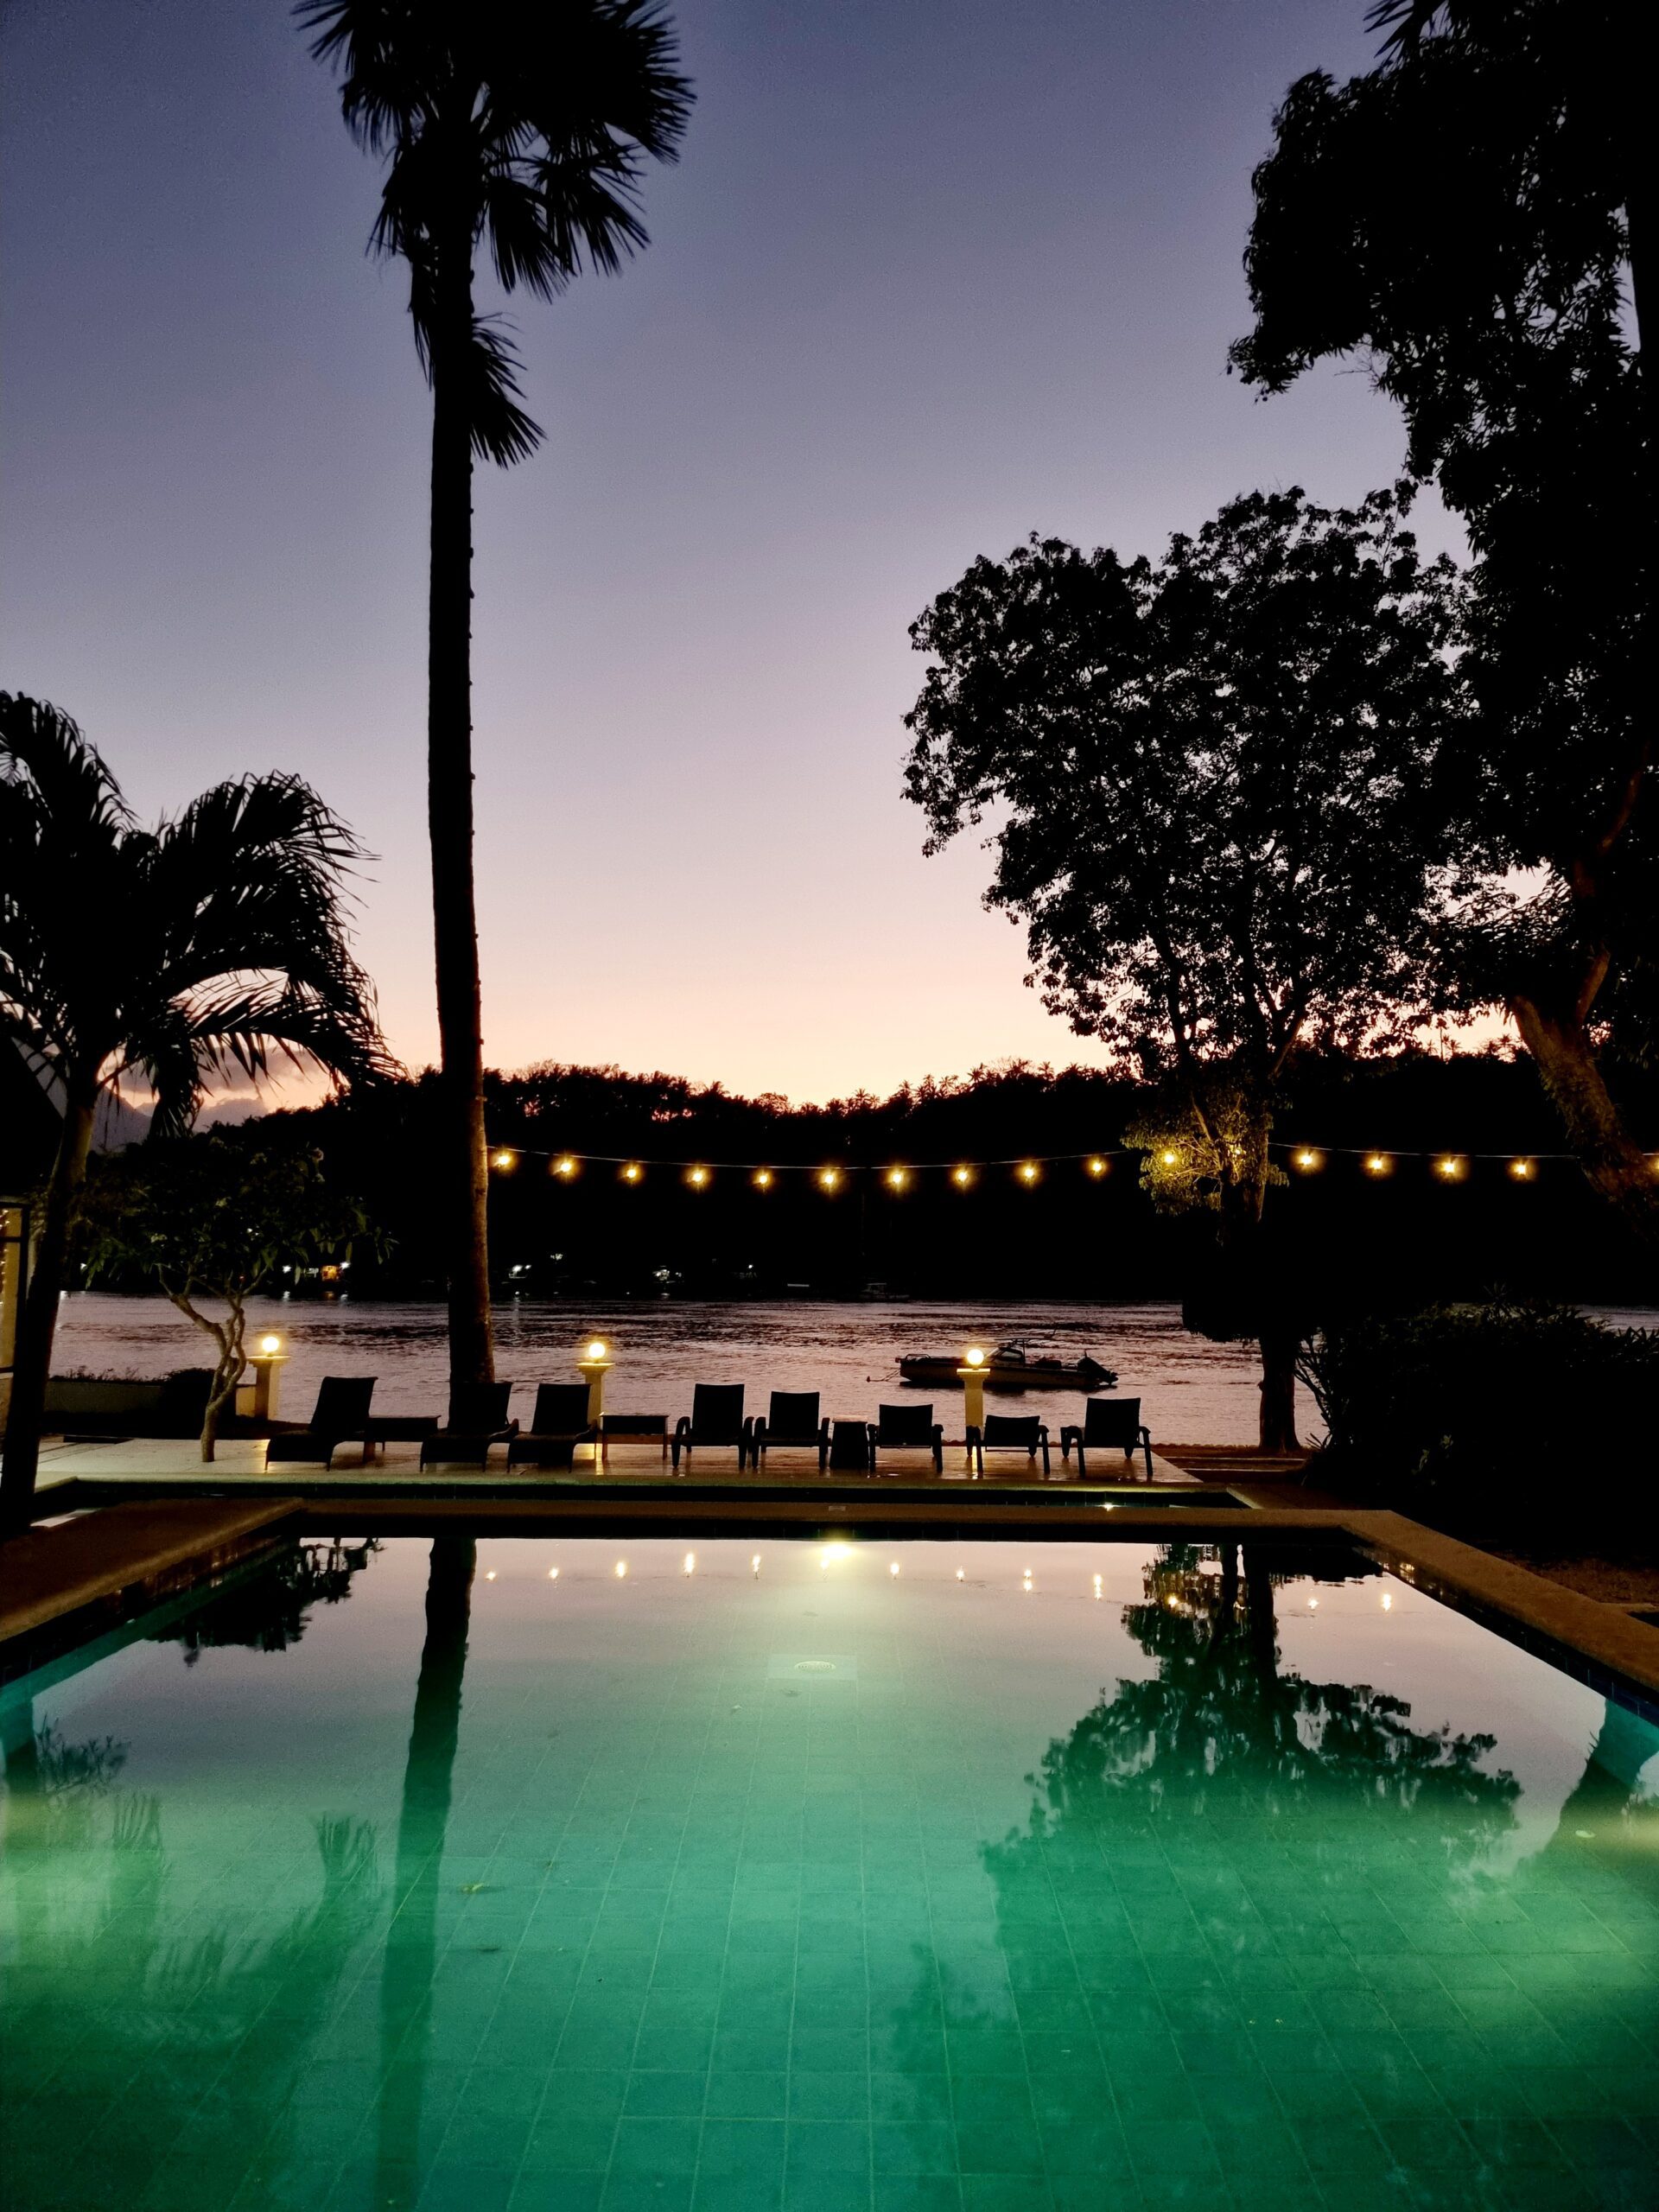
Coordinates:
1193	1392
427	1877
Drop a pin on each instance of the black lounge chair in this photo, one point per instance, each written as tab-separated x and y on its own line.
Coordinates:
716	1419
791	1419
339	1416
907	1429
1108	1424
477	1418
1010	1433
558	1424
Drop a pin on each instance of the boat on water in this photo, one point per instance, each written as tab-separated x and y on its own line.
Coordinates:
1010	1367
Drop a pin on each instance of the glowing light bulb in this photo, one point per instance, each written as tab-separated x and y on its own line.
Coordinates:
1377	1163
1312	1604
1096	1167
1522	1170
973	1356
1306	1159
490	1577
597	1348
897	1178
762	1179
1097	1581
565	1164
960	1574
1450	1167
1388	1602
1169	1158
271	1345
552	1573
690	1562
1028	1171
755	1563
893	1569
962	1177
501	1160
829	1177
634	1172
697	1178
621	1569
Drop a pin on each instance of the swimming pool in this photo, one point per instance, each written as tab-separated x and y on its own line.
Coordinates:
837	1878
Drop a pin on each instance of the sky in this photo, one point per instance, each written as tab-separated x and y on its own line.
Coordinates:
930	275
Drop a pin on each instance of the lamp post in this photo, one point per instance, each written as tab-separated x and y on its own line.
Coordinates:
972	1374
258	1400
594	1366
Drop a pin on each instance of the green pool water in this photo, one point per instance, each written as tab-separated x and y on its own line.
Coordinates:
916	1878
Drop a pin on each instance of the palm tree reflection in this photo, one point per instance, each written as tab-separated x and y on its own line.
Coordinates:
411	1943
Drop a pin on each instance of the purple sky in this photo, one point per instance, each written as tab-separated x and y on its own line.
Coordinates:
930	276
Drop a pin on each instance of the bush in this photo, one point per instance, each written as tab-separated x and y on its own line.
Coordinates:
1513	1410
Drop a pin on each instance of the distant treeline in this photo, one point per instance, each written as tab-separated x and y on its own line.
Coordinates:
1407	1236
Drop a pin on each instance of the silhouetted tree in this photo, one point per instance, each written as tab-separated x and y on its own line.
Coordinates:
524	132
1467	219
1215	783
215	1218
164	956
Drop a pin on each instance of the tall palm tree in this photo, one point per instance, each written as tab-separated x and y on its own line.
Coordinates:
523	131
167	955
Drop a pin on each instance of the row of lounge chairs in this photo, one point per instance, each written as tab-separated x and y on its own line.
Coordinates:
478	1421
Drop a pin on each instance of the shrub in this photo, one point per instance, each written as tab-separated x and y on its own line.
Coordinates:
1513	1409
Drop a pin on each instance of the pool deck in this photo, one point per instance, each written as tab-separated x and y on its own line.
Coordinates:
148	1520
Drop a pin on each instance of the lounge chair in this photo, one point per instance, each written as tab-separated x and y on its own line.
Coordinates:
1108	1424
907	1429
715	1420
791	1419
339	1416
477	1418
1010	1433
558	1424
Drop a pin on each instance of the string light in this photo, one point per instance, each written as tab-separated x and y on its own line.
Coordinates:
1028	1172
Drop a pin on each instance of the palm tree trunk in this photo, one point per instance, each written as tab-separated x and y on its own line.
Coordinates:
462	1171
38	1323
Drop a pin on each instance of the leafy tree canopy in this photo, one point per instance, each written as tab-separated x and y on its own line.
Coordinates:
1216	776
214	1217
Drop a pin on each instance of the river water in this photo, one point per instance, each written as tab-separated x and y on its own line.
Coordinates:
1193	1392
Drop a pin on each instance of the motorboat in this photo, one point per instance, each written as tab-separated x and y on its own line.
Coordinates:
1010	1367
